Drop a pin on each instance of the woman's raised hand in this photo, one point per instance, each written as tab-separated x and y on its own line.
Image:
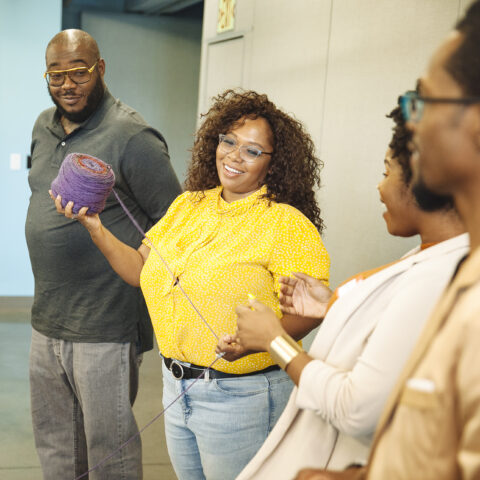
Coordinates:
90	221
304	295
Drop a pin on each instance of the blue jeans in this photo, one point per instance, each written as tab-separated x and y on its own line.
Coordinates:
81	397
217	427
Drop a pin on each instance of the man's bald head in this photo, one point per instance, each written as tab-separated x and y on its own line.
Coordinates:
67	52
74	39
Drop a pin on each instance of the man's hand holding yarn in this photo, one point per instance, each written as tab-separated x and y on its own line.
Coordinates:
91	222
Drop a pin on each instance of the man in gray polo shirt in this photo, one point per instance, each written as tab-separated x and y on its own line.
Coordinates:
89	326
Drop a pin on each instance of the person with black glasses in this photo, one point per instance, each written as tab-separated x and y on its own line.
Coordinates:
89	327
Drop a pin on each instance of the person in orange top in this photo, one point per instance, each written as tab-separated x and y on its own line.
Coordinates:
430	427
365	338
248	216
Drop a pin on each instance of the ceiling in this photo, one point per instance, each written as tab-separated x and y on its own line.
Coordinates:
72	9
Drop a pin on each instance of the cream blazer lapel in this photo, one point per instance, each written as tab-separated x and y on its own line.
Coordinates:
342	310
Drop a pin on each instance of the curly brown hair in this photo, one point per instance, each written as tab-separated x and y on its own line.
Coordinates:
294	168
399	143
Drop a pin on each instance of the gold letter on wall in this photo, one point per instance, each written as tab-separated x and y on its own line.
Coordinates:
226	15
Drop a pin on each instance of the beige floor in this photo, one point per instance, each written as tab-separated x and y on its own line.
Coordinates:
18	459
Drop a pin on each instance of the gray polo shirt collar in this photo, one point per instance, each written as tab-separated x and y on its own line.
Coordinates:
90	123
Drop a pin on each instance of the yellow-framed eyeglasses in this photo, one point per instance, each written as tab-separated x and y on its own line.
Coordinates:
78	75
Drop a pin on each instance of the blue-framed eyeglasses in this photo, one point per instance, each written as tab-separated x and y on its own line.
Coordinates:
248	153
412	104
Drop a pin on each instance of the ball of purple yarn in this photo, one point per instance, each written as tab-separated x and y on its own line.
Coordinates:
84	180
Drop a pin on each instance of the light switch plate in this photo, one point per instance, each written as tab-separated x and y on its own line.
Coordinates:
15	161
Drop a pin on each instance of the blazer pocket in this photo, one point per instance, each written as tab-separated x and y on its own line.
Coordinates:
420	394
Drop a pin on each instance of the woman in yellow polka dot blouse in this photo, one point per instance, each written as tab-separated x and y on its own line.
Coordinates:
248	216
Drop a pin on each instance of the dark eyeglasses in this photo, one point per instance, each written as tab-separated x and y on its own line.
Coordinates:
412	104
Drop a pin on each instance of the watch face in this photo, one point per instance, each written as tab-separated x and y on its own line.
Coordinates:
226	15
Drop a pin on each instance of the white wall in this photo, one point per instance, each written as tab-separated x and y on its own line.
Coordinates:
339	66
377	51
152	64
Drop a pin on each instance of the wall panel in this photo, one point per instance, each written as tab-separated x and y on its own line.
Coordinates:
377	51
289	56
339	66
152	64
227	57
464	4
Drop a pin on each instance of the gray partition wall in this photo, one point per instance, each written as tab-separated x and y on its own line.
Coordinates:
338	66
152	64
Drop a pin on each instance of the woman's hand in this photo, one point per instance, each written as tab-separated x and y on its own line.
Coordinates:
257	326
230	346
91	222
304	296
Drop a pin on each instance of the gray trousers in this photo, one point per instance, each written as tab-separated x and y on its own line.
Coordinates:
81	399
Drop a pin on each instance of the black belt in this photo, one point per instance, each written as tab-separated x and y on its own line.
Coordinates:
180	371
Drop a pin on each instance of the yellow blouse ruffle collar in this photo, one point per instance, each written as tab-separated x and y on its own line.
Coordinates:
219	205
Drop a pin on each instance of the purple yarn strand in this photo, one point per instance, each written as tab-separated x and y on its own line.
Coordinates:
123	445
87	182
176	279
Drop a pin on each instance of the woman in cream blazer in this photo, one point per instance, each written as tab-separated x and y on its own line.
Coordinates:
364	340
358	353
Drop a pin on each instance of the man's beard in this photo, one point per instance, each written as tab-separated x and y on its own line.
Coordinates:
93	100
428	200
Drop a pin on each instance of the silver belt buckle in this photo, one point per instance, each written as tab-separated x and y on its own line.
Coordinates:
177	370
